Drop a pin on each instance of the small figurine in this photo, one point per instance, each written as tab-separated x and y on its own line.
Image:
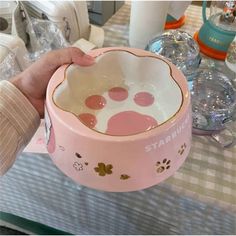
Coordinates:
229	12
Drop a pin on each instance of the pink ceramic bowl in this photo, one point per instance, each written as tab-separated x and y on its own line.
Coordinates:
122	124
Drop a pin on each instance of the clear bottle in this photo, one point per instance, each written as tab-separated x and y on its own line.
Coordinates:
231	56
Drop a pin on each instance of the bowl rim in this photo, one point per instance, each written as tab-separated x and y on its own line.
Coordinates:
81	128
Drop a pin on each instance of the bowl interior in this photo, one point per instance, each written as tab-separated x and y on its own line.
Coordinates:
121	94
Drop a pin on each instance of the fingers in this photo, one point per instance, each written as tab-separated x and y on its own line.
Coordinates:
34	80
67	56
78	57
39	73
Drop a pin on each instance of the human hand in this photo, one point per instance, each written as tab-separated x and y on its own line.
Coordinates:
34	80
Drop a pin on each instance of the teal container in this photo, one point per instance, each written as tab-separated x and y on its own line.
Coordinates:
170	18
214	37
172	23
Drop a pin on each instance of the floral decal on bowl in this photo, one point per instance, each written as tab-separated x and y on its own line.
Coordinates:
78	166
162	166
182	149
103	169
124	177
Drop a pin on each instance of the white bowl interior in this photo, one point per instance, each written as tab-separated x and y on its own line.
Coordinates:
121	94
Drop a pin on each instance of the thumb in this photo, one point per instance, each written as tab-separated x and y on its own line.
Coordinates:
72	55
54	59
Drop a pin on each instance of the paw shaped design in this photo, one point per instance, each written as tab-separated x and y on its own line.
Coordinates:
162	166
103	169
121	94
78	166
124	177
120	112
182	149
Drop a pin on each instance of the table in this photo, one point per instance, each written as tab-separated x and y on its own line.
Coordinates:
200	198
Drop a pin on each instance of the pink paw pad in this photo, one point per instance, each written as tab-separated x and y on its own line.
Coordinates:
124	122
129	122
118	94
95	102
144	99
88	119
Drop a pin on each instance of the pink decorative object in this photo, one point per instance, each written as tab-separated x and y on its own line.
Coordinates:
124	123
129	122
118	93
50	136
144	99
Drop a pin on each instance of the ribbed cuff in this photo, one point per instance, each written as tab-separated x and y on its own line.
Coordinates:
18	110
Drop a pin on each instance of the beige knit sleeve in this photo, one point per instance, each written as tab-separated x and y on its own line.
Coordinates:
18	122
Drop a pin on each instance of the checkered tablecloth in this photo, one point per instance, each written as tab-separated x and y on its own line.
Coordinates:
210	170
200	198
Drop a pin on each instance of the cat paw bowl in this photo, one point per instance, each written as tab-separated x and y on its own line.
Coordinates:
122	124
